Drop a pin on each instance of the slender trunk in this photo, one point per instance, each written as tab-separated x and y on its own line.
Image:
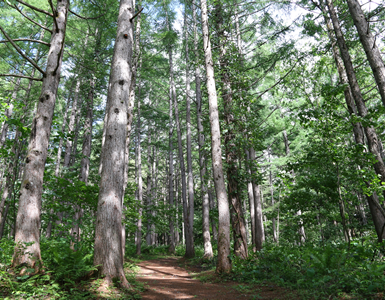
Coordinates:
149	190
368	42
208	249
171	249
29	213
108	255
355	93
188	144
8	113
342	208
233	184
251	200
86	154
190	252
272	200
140	185
223	262
3	220
12	174
154	190
71	124
259	229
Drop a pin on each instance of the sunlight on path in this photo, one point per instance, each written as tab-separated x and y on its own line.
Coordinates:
166	280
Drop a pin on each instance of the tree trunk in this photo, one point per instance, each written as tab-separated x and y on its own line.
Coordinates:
369	43
8	113
251	200
108	254
171	248
259	229
190	252
208	249
71	125
29	213
149	191
233	184
188	144
140	186
86	154
223	262
362	110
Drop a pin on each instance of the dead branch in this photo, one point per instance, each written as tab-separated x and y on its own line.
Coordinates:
35	8
21	52
28	40
54	15
28	18
86	18
21	76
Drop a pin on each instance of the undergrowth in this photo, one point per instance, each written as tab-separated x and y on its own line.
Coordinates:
65	275
335	270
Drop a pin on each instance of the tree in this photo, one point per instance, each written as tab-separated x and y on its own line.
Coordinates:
223	263
27	237
108	254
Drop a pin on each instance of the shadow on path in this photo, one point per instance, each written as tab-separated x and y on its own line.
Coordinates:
166	280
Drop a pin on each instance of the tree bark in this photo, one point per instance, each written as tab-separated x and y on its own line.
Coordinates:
251	200
140	184
29	213
149	190
171	248
233	184
369	44
8	113
188	144
108	255
223	262
259	229
208	249
378	217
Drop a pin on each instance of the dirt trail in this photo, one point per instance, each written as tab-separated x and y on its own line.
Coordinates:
166	280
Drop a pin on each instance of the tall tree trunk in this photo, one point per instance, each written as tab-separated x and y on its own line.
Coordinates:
223	262
208	249
188	144
140	184
86	154
108	255
154	190
259	229
233	184
369	43
29	213
71	126
149	190
171	249
251	200
190	252
375	208
8	113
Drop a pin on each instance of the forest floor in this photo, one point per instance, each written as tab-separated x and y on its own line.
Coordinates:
175	278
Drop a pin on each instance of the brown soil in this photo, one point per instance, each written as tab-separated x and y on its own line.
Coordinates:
165	279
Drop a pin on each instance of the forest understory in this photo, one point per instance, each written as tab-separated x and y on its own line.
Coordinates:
209	149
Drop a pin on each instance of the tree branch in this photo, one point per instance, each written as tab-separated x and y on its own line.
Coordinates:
28	40
86	18
34	22
279	81
136	14
54	15
35	8
21	52
21	76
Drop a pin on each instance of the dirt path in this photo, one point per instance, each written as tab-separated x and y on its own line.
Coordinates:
166	280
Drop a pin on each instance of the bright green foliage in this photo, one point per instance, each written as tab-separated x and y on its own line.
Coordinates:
330	271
